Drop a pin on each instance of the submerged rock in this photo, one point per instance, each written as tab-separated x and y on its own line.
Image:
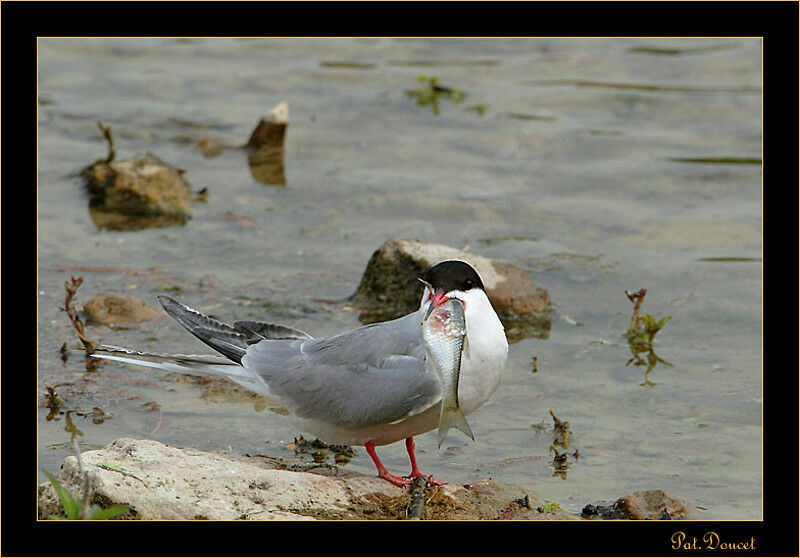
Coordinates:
144	186
271	129
266	146
389	287
119	311
645	504
163	482
211	147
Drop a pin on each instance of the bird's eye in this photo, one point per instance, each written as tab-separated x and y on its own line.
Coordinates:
468	284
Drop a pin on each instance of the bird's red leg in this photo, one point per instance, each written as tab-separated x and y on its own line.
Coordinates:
415	472
382	472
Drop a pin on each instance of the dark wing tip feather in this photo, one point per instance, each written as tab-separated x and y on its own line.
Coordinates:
217	335
231	341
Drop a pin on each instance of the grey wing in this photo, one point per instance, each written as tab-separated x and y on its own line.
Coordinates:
372	375
231	341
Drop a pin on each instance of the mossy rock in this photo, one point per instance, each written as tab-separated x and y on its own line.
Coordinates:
389	287
143	185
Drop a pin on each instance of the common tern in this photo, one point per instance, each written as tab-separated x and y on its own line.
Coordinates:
370	386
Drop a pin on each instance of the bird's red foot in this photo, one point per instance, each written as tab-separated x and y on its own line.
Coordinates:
397	481
415	472
382	472
430	479
402	482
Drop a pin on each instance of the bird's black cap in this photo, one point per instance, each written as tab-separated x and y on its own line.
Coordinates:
453	275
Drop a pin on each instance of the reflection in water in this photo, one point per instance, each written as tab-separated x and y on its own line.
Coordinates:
212	147
561	439
70	427
320	451
53	403
562	432
537	327
120	221
650	361
58	408
560	465
266	164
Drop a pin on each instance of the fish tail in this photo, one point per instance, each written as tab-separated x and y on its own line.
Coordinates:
450	418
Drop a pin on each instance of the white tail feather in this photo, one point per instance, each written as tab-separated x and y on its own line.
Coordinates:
196	365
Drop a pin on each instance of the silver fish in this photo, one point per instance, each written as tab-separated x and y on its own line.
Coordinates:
444	333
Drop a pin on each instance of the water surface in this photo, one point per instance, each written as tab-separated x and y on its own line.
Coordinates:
598	165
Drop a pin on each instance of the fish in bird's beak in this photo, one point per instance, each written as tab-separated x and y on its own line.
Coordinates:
437	297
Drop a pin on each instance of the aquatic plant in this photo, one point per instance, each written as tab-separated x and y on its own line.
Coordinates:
77	323
74	510
643	329
431	94
641	333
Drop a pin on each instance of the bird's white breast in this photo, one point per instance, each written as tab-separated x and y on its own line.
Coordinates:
485	352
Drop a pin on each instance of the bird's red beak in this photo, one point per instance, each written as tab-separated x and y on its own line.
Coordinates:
437	298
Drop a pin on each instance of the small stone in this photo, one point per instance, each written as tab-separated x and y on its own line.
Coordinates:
271	129
116	310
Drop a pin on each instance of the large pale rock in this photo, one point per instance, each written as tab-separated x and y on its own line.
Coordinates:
171	483
389	287
163	482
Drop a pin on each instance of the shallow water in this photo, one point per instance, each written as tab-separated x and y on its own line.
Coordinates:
598	165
